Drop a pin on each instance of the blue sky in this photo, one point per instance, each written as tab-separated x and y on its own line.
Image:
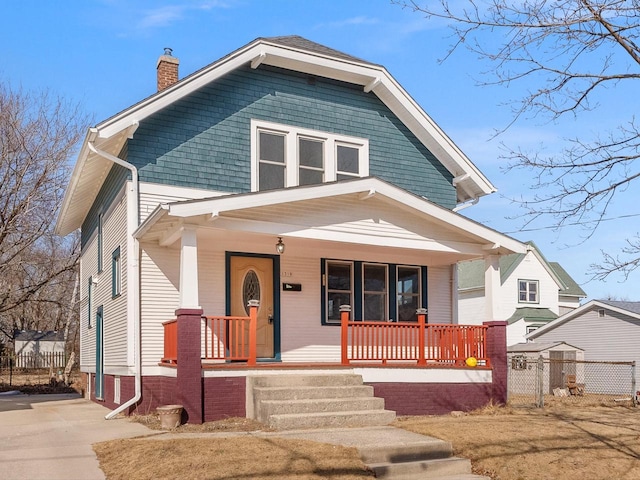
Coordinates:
103	53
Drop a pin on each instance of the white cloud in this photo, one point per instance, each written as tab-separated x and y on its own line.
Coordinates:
169	14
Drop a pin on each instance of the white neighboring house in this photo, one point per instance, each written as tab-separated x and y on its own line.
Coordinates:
532	292
37	349
606	330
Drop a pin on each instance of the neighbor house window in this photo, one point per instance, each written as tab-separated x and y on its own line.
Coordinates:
408	291
116	273
89	300
528	291
286	156
339	288
374	291
100	241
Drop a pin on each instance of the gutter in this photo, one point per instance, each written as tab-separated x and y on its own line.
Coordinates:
133	271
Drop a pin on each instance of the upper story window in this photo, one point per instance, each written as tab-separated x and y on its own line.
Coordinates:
100	241
116	273
286	156
528	291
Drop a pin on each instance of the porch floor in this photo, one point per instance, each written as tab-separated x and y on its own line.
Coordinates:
275	365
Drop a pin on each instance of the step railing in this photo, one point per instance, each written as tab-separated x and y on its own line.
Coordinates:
226	338
411	342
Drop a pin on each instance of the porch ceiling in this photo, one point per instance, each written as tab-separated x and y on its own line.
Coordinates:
366	212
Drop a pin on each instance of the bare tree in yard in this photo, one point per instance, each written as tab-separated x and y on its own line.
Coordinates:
38	133
570	51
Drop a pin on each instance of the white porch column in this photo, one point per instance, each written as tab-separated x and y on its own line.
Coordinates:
492	287
189	268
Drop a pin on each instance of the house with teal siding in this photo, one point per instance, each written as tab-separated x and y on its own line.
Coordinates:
286	214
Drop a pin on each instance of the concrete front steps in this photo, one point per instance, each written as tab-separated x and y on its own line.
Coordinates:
291	402
425	458
395	454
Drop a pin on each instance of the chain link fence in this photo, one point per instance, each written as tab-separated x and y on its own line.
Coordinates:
539	381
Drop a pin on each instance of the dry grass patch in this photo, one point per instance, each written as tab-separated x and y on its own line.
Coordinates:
589	443
243	457
231	424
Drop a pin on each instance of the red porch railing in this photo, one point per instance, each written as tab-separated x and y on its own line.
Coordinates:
225	338
234	338
405	342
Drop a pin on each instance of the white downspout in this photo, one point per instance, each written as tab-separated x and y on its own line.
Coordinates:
134	272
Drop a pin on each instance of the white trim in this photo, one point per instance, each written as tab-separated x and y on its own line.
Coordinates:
160	189
292	134
577	312
426	375
386	192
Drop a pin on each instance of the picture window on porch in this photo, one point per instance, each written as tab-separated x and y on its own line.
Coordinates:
374	291
339	287
528	291
409	292
287	156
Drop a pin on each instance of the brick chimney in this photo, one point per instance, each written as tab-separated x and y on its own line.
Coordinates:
167	70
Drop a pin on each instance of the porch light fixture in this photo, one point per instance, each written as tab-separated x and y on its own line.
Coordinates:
280	246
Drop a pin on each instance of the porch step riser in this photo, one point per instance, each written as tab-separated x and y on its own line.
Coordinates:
271	407
307	380
431	450
366	418
422	469
301	393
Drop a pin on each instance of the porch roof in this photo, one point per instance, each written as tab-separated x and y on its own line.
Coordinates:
366	211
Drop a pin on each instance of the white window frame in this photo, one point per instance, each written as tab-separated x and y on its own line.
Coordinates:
292	134
528	290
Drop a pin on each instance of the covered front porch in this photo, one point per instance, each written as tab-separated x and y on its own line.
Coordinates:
356	274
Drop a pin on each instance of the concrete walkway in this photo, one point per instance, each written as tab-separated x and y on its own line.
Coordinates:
50	436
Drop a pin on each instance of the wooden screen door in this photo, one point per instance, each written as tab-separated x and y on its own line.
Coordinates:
251	278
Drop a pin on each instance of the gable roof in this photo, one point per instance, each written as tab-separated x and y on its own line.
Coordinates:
536	347
572	288
471	273
532	314
287	212
38	335
289	52
631	309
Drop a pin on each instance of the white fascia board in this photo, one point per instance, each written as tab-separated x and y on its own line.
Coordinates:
159	212
390	193
547	267
577	312
62	227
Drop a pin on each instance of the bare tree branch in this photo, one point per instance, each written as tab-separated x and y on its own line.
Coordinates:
571	51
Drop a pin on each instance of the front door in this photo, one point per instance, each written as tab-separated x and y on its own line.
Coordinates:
251	278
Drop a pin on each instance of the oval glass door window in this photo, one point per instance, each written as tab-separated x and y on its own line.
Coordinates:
250	289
